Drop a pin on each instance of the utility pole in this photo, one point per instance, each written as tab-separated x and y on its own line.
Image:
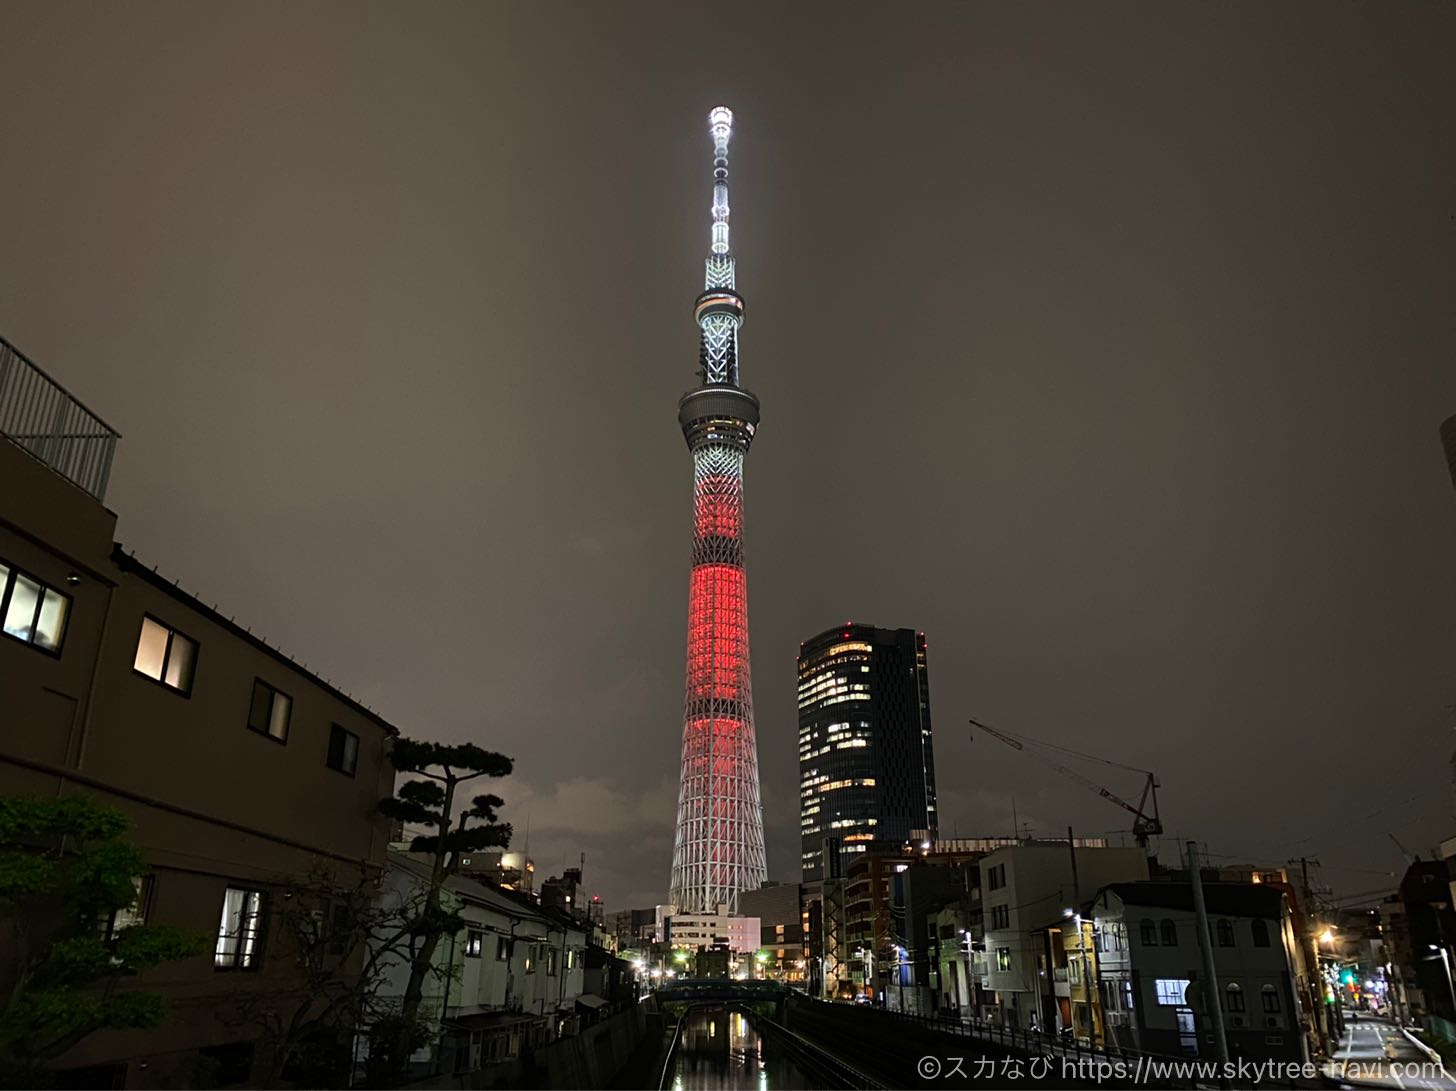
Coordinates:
1212	998
1318	1013
1076	886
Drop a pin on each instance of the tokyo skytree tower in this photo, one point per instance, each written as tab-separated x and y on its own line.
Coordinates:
719	846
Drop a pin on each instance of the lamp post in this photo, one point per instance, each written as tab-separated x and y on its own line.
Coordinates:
1446	962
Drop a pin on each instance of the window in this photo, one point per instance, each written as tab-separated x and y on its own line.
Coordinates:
996	877
1225	933
474	941
1003	959
1261	933
166	656
1170	933
1271	998
551	958
531	959
269	711
502	949
1074	971
1001	916
344	754
1235	997
131	915
239	934
34	613
1149	933
1170	991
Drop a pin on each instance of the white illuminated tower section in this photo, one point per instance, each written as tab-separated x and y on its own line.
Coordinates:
719	846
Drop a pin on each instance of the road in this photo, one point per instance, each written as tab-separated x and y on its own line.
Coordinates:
1374	1053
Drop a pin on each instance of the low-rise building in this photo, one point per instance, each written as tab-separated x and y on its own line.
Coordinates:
244	775
699	931
511	980
1153	991
1029	895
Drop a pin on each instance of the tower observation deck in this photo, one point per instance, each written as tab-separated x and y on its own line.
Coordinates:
718	850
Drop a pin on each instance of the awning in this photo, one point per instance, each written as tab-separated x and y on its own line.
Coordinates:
591	1001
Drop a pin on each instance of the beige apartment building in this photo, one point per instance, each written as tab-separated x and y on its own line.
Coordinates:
239	769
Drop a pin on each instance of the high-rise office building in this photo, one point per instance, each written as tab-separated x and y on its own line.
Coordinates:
866	763
718	850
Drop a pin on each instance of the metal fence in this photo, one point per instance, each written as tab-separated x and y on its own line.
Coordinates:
37	414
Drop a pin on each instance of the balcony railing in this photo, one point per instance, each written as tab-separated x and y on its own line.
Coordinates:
37	414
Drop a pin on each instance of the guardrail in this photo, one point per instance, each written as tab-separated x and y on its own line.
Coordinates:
41	417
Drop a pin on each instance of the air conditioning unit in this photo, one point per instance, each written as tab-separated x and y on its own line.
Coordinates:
1238	1020
1272	1022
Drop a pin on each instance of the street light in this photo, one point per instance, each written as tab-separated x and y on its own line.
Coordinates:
1446	962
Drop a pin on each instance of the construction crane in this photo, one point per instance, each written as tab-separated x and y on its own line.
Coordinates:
1144	824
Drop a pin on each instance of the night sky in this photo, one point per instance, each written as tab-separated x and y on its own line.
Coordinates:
1108	346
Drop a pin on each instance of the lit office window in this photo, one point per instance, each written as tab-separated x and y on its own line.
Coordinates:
269	711
239	933
34	613
166	656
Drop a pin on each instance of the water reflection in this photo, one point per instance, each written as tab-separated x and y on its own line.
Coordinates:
720	1051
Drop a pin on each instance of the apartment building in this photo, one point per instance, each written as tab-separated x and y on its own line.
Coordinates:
241	772
1030	893
513	979
1154	993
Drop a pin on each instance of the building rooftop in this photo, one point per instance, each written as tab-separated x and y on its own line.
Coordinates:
1227	899
128	562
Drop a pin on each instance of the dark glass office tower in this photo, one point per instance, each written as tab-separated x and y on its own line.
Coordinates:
866	763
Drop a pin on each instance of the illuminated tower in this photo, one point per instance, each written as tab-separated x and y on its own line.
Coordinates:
718	850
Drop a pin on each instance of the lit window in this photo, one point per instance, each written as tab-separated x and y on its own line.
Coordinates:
502	948
1003	959
129	916
35	613
344	751
474	942
269	711
1171	990
166	656
239	933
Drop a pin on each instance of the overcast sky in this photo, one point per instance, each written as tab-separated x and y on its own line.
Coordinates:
1106	345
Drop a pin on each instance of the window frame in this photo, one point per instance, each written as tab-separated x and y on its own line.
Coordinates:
1224	933
276	693
1270	999
340	729
172	633
1147	932
260	933
13	572
474	943
1234	996
1259	930
1167	932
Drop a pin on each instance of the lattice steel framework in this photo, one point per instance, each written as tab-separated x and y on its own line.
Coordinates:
718	850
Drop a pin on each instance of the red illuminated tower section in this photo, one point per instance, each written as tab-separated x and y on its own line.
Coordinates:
718	850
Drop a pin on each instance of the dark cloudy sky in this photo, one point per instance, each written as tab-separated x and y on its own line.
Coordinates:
1106	345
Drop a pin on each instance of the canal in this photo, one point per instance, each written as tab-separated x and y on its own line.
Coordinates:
721	1051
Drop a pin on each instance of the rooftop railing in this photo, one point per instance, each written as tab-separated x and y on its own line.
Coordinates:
40	416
